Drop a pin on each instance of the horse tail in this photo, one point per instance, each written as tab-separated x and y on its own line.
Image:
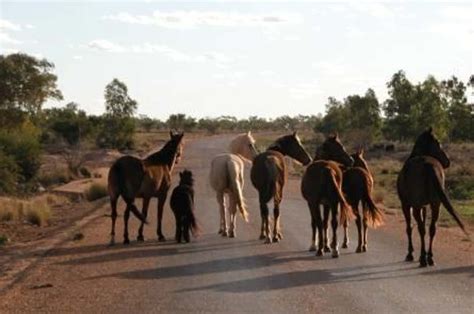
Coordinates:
375	215
443	197
235	182
346	210
195	230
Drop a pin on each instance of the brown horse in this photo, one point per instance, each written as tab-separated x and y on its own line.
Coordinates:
321	184
131	178
421	182
268	176
357	185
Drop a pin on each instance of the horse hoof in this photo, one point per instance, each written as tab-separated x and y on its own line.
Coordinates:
112	243
319	253
359	250
312	248
262	237
431	262
268	241
364	248
231	234
276	239
161	238
344	245
409	258
224	234
327	249
335	254
423	262
140	238
126	241
220	231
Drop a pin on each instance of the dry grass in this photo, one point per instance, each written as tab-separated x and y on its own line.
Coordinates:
96	191
36	211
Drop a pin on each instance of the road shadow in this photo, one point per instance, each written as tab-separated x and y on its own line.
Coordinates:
101	254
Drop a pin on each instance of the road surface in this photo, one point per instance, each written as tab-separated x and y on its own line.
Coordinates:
215	274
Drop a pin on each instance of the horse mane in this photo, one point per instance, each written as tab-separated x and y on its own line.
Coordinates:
279	145
186	178
165	155
421	144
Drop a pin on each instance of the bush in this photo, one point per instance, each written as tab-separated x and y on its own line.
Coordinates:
38	213
3	239
85	172
116	133
8	174
95	192
461	188
58	176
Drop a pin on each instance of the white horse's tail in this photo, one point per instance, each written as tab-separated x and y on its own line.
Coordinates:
235	184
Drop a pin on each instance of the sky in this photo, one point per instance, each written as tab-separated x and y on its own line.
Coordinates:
239	58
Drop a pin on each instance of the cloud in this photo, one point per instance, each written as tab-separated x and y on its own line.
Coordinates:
5	24
191	19
374	9
7	39
149	48
306	90
105	45
78	57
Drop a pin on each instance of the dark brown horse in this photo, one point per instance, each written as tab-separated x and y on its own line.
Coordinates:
421	183
322	185
131	177
357	185
268	176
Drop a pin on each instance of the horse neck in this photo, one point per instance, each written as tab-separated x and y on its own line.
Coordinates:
166	156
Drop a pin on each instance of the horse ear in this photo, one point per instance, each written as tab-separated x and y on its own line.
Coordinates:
360	152
295	133
336	135
249	133
430	129
171	134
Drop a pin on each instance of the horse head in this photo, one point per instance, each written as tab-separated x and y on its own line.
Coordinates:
428	145
290	145
177	144
332	149
244	145
359	160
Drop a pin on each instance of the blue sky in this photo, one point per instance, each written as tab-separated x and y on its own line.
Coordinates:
238	58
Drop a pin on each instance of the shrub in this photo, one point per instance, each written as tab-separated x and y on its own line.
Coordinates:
461	188
95	192
3	239
58	176
85	172
38	213
8	174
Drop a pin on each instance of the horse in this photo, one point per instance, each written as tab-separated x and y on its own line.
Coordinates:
421	183
131	177
182	205
357	185
322	184
227	177
268	176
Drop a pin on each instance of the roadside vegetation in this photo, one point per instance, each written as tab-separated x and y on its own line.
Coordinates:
30	135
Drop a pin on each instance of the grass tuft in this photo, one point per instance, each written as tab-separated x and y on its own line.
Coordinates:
96	191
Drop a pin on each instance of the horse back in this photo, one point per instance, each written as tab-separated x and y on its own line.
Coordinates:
415	183
269	174
225	167
354	183
125	177
182	199
315	186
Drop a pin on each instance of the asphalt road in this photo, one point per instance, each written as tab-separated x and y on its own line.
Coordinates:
215	274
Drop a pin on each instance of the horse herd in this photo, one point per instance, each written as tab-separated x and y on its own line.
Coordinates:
333	178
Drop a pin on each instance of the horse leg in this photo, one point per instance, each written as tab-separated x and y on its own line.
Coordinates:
277	236
326	228
177	235
345	242
312	210
113	216
407	215
233	215
419	214
185	226
366	231
221	202
334	224
145	203
434	219
359	229
126	216
161	204
265	223
319	224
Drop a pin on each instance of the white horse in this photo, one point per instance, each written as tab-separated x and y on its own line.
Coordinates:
227	177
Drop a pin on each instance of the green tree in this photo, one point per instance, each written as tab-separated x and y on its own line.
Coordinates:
118	125
336	118
181	122
364	112
25	84
461	113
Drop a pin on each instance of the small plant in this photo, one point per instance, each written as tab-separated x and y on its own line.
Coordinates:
95	192
85	172
3	239
38	214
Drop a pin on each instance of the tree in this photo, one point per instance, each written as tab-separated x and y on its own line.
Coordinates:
181	122
26	83
118	124
336	118
117	101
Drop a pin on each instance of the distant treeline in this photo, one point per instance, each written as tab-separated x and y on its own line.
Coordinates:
26	128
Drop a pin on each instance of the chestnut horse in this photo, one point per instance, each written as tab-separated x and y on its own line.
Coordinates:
357	185
322	185
421	183
131	177
227	177
268	176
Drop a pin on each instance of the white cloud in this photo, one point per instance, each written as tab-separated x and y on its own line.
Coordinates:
105	45
78	57
7	39
191	19
374	9
306	90
5	24
171	53
29	26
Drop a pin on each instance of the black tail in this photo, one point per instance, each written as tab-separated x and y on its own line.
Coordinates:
444	198
195	230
